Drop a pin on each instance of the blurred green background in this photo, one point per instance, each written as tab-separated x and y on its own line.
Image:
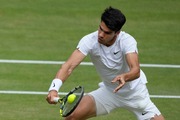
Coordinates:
51	29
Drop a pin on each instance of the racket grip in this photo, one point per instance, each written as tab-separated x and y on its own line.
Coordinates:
55	99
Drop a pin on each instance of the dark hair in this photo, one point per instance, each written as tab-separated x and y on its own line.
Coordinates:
113	18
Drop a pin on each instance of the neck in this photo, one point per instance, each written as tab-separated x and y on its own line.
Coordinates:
111	42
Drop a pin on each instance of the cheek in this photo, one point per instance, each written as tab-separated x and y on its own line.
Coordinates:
109	37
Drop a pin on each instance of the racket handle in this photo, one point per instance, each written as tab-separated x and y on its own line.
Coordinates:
55	99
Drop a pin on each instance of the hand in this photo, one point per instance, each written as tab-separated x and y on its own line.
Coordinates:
121	81
50	97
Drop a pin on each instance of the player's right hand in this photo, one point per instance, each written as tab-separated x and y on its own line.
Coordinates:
51	95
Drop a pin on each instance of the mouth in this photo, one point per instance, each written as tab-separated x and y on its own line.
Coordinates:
100	40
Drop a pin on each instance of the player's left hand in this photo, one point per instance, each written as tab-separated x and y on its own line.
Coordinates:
121	81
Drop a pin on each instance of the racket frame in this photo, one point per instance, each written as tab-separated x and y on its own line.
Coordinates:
63	101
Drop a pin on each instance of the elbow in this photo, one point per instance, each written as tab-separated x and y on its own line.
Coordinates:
138	73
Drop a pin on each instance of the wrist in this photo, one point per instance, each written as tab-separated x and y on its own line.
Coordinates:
55	85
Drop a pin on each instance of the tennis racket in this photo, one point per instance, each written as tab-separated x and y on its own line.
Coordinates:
66	107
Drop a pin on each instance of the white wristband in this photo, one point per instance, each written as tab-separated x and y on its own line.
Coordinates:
56	84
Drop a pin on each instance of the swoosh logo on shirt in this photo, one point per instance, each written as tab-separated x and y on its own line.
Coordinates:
116	52
144	113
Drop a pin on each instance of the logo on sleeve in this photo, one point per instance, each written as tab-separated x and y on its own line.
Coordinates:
54	85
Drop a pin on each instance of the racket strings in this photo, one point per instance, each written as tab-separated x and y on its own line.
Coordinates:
67	108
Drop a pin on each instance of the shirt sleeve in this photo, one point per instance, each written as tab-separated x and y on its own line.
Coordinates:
83	45
130	45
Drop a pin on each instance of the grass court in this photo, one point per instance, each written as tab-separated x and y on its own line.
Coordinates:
49	30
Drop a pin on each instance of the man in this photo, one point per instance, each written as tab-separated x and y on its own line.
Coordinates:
114	54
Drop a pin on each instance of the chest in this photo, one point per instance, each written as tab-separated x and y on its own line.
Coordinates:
111	57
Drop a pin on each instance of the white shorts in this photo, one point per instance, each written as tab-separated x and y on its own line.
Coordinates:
140	104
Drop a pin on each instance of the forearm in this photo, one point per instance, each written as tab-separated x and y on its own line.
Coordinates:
65	71
61	76
134	71
133	74
134	67
68	67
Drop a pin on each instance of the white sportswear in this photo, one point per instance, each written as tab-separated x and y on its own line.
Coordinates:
110	61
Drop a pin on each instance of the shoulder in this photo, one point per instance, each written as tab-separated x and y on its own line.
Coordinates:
90	39
87	43
93	35
127	42
126	37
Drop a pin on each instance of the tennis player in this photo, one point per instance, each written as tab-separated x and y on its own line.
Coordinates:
114	54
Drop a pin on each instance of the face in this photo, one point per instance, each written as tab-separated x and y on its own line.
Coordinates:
105	35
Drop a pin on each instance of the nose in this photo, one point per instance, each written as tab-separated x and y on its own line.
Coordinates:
101	34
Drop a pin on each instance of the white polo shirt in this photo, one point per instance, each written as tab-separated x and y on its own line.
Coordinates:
110	61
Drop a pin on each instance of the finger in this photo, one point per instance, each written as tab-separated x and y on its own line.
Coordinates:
50	100
114	80
120	80
118	88
120	85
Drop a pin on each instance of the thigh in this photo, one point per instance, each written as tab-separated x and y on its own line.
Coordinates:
146	112
105	101
141	105
84	110
149	112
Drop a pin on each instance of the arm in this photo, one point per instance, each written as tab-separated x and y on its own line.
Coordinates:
68	67
133	62
65	71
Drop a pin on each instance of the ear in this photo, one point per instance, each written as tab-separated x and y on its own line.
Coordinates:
117	33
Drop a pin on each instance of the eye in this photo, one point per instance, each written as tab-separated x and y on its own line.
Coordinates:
106	32
100	28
